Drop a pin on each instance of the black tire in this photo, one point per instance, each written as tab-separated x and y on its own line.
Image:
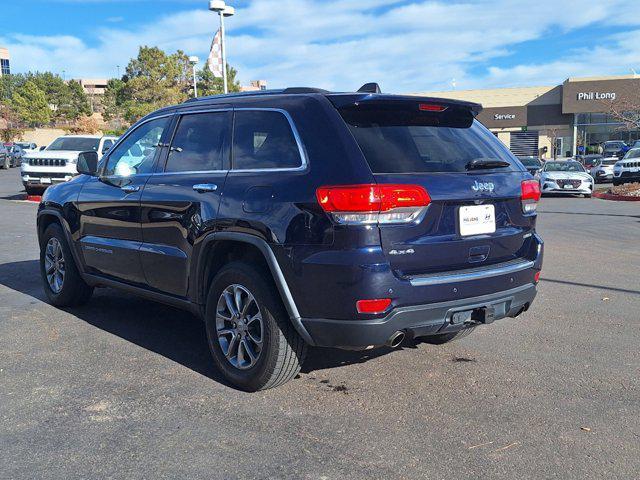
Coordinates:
282	351
33	190
616	182
587	196
448	337
74	290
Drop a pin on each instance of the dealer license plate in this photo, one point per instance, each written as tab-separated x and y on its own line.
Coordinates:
477	219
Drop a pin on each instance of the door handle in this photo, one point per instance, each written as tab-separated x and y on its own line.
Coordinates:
205	187
130	188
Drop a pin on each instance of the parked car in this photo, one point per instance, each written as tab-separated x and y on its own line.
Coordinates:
603	172
590	161
614	148
26	146
532	164
627	169
5	157
57	162
16	153
301	217
565	177
636	144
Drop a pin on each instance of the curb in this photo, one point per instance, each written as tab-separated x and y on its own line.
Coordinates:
611	196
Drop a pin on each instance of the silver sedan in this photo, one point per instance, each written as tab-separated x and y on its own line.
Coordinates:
566	177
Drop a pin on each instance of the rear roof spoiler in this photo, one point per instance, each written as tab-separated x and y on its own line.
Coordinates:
341	100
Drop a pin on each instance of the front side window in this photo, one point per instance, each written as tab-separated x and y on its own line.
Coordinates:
199	143
136	153
107	145
264	140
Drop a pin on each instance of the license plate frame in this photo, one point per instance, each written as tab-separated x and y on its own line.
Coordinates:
476	219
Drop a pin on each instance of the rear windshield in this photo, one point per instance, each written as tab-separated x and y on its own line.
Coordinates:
405	140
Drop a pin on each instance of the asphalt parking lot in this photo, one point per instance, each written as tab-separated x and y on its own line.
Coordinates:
124	388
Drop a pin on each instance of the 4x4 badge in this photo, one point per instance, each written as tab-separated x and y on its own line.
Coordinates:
483	186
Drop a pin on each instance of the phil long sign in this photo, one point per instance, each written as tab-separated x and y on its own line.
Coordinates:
581	96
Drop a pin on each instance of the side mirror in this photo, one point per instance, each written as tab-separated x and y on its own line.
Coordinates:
87	163
105	149
42	148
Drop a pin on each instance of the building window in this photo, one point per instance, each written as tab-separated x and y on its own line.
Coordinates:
4	66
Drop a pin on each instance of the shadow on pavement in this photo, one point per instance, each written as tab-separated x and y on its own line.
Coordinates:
167	331
589	285
591	214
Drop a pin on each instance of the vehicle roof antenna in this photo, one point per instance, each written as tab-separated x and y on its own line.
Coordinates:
370	88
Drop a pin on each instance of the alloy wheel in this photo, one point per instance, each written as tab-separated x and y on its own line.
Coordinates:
239	326
54	265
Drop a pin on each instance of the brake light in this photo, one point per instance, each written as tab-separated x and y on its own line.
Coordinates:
373	203
530	195
377	305
429	107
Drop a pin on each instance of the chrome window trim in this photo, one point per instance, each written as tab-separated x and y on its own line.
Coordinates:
189	172
304	161
475	275
124	136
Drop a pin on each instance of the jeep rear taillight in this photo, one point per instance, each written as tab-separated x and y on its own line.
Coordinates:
530	195
373	203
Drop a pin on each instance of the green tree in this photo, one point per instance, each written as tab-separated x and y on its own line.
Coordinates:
67	100
78	102
30	104
8	84
210	85
153	80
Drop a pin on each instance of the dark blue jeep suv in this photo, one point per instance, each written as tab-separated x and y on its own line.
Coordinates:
301	217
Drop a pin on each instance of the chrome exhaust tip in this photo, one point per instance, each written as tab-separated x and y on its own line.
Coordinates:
396	339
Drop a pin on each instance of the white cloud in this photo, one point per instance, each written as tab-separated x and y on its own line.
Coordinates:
342	44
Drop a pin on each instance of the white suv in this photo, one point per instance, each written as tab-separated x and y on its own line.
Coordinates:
627	169
57	162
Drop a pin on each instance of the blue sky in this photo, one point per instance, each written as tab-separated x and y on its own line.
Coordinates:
406	46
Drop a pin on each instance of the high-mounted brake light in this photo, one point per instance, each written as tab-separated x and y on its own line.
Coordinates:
377	305
530	195
430	107
373	203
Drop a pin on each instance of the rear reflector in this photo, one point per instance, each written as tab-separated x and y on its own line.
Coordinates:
377	305
536	277
429	107
373	203
530	195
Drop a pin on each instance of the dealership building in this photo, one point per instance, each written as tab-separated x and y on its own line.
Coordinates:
567	116
5	62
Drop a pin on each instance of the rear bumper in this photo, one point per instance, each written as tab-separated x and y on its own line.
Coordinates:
418	320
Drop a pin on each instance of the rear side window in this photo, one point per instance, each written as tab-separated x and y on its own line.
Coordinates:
263	140
199	143
399	140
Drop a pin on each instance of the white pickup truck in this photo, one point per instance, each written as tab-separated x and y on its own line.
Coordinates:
57	162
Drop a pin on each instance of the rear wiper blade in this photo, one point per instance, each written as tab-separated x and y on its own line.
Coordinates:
480	163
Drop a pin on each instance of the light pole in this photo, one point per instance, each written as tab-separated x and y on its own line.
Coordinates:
223	10
193	60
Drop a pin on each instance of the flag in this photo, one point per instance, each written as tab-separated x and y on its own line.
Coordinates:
214	62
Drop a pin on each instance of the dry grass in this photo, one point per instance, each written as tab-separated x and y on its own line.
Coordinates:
628	190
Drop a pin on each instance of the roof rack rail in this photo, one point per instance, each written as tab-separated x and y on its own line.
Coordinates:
290	90
304	90
235	94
